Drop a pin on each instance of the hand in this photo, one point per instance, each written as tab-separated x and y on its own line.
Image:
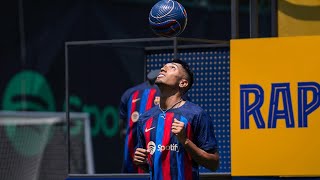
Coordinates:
178	129
140	156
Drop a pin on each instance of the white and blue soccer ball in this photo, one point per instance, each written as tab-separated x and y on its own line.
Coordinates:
168	18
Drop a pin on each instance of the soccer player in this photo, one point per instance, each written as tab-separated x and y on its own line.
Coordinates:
134	102
176	136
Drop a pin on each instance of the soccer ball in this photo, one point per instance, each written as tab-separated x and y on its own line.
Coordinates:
168	18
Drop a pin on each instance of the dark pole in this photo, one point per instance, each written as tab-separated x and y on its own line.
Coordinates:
22	33
23	49
67	104
274	18
234	19
175	48
254	19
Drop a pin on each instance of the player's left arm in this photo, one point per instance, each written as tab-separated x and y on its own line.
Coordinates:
208	155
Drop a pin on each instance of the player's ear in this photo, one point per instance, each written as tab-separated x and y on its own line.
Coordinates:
183	83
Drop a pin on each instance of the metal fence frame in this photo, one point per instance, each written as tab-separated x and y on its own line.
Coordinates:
174	43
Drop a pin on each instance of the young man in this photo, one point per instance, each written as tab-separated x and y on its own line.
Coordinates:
177	136
135	101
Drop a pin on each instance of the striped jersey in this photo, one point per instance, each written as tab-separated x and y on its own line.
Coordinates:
134	102
167	158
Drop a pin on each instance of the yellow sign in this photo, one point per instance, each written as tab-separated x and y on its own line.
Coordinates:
275	113
298	18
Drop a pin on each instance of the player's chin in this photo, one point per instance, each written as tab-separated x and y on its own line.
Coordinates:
158	81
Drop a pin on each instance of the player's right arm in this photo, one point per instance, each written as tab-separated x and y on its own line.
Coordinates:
140	157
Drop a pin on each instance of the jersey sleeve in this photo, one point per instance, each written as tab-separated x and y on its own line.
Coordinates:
140	135
123	106
204	133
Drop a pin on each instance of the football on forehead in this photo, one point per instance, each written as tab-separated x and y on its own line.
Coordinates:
168	18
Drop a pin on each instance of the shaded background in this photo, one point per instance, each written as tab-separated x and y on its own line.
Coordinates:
33	35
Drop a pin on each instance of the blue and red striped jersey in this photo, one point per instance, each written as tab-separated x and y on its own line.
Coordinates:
134	102
167	158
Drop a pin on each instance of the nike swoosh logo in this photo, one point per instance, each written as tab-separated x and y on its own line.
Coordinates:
147	130
135	100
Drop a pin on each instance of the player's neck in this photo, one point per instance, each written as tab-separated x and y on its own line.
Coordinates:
167	102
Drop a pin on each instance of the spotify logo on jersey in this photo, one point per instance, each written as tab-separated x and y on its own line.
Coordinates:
151	147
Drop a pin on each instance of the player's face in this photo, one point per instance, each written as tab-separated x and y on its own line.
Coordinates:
171	74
